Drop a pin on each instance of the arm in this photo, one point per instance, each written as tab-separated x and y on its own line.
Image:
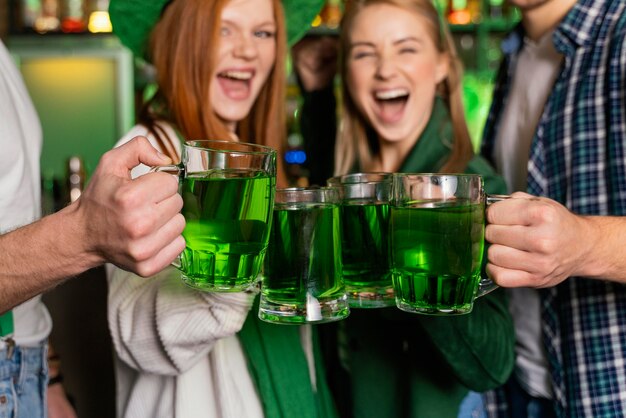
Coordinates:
133	223
537	242
479	346
162	326
315	62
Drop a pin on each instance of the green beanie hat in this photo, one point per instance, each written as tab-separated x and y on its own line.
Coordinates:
133	20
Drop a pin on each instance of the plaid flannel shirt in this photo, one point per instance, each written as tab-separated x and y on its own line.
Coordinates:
578	158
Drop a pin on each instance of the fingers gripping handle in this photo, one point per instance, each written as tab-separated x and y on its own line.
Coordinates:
486	285
177	171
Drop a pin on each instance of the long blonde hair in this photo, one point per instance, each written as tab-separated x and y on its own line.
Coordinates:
353	146
183	48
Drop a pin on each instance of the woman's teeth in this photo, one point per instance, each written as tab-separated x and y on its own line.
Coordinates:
237	75
391	94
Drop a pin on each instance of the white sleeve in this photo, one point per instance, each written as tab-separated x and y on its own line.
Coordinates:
161	326
158	324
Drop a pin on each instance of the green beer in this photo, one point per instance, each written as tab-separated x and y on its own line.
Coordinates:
228	213
302	275
436	256
365	249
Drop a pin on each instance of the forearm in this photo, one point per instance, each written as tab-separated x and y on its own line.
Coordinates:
41	255
161	326
604	258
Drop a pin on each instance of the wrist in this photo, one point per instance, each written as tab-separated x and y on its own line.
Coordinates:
75	225
590	261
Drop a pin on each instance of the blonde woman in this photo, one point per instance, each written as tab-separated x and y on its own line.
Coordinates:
402	112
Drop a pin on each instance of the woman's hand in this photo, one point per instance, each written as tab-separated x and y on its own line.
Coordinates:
315	61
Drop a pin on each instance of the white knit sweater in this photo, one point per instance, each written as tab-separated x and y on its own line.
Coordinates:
177	354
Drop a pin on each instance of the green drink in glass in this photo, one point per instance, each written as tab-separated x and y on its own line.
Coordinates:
437	255
437	242
365	246
226	237
228	196
302	280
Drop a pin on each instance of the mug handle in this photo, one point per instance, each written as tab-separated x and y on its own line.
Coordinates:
486	285
177	170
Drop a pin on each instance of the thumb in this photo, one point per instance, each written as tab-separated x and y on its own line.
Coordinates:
139	151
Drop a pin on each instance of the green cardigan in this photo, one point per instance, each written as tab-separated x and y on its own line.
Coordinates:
433	148
279	368
399	364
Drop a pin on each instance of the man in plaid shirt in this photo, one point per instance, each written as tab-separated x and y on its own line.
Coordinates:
557	129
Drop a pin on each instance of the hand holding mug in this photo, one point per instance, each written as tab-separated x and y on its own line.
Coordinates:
535	242
132	223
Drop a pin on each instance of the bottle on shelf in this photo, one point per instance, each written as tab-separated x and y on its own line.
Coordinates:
75	178
474	8
73	16
99	21
458	12
496	9
40	16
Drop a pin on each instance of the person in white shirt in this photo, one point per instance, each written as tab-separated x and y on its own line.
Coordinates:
36	255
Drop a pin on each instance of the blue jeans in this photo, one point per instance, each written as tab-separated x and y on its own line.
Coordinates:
23	382
472	406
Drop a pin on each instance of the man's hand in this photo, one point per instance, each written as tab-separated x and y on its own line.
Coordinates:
536	242
134	224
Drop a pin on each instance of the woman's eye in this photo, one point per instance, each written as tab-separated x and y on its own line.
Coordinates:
224	31
264	34
361	54
408	51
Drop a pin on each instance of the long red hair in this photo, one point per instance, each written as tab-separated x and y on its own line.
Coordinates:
182	49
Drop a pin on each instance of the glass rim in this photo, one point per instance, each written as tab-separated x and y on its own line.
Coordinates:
321	192
304	189
342	179
448	175
234	147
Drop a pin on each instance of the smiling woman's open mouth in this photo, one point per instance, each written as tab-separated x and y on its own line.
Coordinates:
235	83
391	103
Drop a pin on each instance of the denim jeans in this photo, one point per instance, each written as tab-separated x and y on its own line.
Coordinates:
23	382
472	406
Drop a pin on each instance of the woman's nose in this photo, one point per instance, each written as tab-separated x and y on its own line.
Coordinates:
245	47
385	67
